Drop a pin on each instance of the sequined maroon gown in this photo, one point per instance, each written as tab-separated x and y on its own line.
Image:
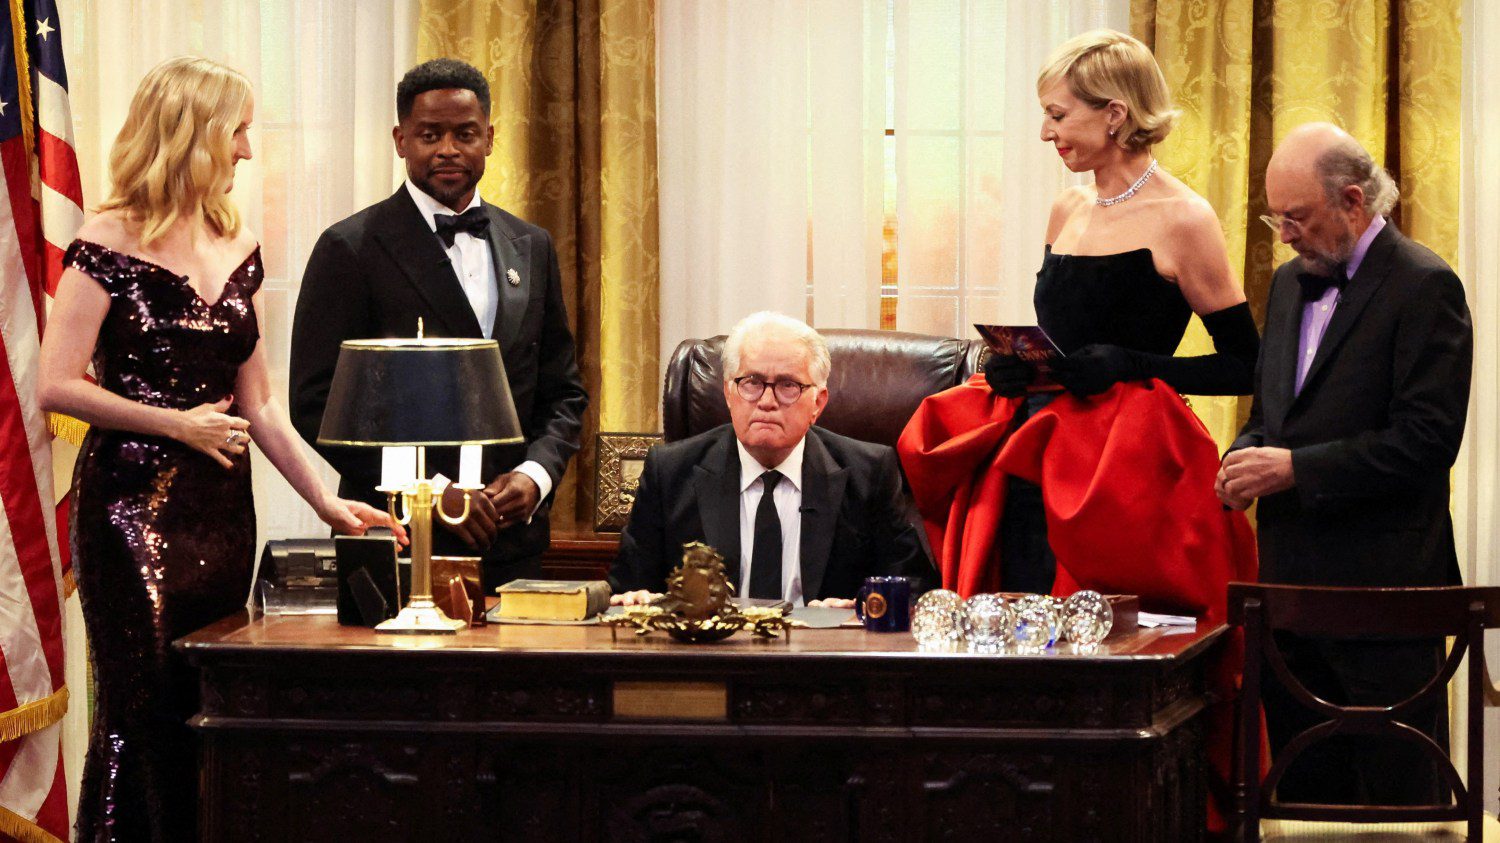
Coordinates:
163	538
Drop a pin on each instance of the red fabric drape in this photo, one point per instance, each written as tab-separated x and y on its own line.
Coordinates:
1127	481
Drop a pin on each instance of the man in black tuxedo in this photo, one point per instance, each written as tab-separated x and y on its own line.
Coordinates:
435	251
1362	389
799	513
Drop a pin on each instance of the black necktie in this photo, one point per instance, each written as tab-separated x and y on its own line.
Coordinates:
1315	286
473	221
765	559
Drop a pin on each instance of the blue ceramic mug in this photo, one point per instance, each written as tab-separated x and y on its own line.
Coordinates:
884	604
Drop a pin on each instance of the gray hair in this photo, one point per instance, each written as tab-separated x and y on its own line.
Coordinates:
1348	163
768	322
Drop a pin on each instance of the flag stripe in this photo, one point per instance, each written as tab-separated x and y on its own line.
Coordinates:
52	268
23	484
25	795
21	222
59	167
35	150
61	217
8	752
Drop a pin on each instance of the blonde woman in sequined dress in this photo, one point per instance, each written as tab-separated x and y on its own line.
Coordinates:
160	294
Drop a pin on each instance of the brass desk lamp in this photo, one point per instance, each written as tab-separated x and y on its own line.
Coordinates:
405	395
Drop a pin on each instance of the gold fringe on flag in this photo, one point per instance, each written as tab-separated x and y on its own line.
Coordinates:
23	77
15	826
70	585
67	428
33	716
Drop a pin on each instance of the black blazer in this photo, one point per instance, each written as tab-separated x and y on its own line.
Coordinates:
854	515
1375	429
372	275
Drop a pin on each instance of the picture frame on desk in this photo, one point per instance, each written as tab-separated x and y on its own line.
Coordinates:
617	473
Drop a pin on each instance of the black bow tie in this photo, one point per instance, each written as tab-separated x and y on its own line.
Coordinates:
1315	286
472	221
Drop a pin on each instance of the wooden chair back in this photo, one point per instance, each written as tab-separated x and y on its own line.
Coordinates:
1324	612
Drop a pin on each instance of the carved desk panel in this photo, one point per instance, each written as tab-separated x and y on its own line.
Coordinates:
310	731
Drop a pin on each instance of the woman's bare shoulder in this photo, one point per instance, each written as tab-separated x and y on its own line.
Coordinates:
244	241
1065	206
1193	221
111	229
1072	198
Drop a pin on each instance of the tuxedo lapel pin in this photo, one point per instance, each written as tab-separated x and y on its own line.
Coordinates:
513	277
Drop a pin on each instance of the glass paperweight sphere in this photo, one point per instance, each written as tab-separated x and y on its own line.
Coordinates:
938	620
1036	622
1087	618
990	622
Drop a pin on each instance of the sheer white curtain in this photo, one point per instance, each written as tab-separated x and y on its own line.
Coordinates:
818	156
324	73
737	83
974	181
1477	473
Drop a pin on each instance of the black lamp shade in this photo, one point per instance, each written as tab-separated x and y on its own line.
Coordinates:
419	392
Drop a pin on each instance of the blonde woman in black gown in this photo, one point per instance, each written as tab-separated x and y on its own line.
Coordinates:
1129	259
161	294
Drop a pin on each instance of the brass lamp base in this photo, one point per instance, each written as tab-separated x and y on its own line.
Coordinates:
421	619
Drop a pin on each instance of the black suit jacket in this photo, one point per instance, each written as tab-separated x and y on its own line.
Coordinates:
1375	429
372	275
854	516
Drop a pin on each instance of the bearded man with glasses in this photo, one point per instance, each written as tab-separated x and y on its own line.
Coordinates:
799	513
1360	398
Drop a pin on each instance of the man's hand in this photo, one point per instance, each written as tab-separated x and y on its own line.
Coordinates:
633	598
1225	497
514	497
1254	473
831	603
479	529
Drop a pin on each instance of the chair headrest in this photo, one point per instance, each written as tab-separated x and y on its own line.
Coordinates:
877	381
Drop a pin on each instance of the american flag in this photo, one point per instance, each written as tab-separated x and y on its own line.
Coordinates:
40	210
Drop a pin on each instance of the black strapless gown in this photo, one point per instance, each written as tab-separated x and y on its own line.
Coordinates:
1081	300
163	538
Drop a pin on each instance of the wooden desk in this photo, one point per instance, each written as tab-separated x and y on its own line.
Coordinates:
311	731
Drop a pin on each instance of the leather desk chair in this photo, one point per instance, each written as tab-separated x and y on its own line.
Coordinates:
877	381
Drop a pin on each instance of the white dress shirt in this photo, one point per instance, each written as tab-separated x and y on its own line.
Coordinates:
788	499
471	260
475	269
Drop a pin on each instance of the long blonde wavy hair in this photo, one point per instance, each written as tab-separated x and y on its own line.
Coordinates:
175	153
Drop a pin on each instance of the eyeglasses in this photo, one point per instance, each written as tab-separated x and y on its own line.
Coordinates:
787	391
1279	221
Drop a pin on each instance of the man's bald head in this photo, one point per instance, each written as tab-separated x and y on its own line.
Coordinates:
1326	188
1299	152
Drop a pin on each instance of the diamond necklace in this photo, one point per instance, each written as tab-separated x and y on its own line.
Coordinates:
1130	191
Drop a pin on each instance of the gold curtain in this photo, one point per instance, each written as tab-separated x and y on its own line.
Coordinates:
1245	72
573	85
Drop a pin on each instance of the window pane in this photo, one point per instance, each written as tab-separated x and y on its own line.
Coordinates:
931	217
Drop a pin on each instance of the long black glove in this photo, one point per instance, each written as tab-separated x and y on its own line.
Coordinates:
1230	370
1008	375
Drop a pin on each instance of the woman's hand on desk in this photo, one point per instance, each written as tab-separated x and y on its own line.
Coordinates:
633	598
353	518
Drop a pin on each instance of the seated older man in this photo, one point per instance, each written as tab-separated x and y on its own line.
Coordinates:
799	513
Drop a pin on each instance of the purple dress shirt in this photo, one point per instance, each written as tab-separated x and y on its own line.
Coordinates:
1318	313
